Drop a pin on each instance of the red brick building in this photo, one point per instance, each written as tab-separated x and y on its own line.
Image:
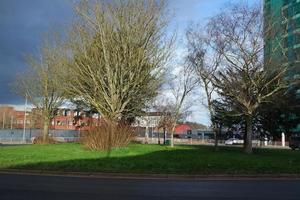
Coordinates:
69	119
66	119
11	118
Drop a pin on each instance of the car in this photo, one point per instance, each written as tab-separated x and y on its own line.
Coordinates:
294	142
233	141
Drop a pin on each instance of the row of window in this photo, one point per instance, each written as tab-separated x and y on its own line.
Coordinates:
62	123
77	113
66	123
20	121
288	2
291	40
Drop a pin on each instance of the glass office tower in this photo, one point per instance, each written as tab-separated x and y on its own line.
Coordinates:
282	39
282	34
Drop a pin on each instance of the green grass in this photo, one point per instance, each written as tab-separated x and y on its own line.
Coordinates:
138	158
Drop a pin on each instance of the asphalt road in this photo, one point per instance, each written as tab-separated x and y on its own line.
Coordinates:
58	187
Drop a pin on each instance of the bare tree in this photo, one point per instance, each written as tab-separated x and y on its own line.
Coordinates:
164	108
242	81
117	52
205	61
181	86
40	83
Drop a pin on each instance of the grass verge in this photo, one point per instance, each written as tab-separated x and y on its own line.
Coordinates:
138	158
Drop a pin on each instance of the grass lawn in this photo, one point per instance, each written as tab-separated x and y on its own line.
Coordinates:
138	158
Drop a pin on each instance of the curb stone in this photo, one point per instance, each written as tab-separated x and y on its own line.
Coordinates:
110	175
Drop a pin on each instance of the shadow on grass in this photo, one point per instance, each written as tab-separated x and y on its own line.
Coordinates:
192	160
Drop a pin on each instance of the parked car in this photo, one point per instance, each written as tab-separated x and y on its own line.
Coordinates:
294	142
233	141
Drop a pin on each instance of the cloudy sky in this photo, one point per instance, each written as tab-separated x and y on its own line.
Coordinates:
24	22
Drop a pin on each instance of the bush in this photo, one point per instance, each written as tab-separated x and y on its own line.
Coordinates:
108	136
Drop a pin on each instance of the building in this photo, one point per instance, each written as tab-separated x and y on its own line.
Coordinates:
182	129
68	119
282	35
150	120
282	39
65	119
10	118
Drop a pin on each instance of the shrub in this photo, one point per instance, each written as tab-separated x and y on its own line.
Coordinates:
108	136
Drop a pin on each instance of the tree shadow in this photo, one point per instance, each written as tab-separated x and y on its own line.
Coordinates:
195	160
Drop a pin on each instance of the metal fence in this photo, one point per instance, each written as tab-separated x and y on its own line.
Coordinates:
15	136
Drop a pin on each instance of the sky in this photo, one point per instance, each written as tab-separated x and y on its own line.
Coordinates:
23	23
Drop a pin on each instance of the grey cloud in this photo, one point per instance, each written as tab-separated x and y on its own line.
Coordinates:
22	24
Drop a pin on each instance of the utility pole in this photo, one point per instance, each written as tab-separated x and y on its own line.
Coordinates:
11	122
3	120
283	139
24	125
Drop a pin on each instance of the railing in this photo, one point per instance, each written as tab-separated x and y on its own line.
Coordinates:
15	136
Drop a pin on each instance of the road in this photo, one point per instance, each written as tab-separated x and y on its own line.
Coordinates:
43	187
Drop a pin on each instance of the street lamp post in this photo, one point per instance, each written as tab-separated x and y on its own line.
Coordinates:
24	124
3	120
11	122
283	139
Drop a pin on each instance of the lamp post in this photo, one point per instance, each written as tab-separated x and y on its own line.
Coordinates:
24	124
283	139
11	122
3	120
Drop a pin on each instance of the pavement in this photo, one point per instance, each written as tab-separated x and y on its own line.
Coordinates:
15	186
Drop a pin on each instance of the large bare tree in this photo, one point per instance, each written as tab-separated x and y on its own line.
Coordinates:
40	83
242	81
117	51
181	87
205	61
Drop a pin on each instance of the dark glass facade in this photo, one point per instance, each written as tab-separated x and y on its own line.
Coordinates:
282	34
282	38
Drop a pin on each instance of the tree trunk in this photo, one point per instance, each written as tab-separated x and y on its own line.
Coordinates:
158	137
45	129
146	135
216	139
248	144
217	134
172	137
164	135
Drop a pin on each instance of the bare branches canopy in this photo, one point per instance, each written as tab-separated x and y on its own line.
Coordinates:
117	53
243	82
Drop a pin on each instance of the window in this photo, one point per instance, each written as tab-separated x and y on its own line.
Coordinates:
66	112
296	8
95	116
59	123
286	2
296	39
77	113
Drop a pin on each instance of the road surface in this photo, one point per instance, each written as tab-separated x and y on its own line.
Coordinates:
43	187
